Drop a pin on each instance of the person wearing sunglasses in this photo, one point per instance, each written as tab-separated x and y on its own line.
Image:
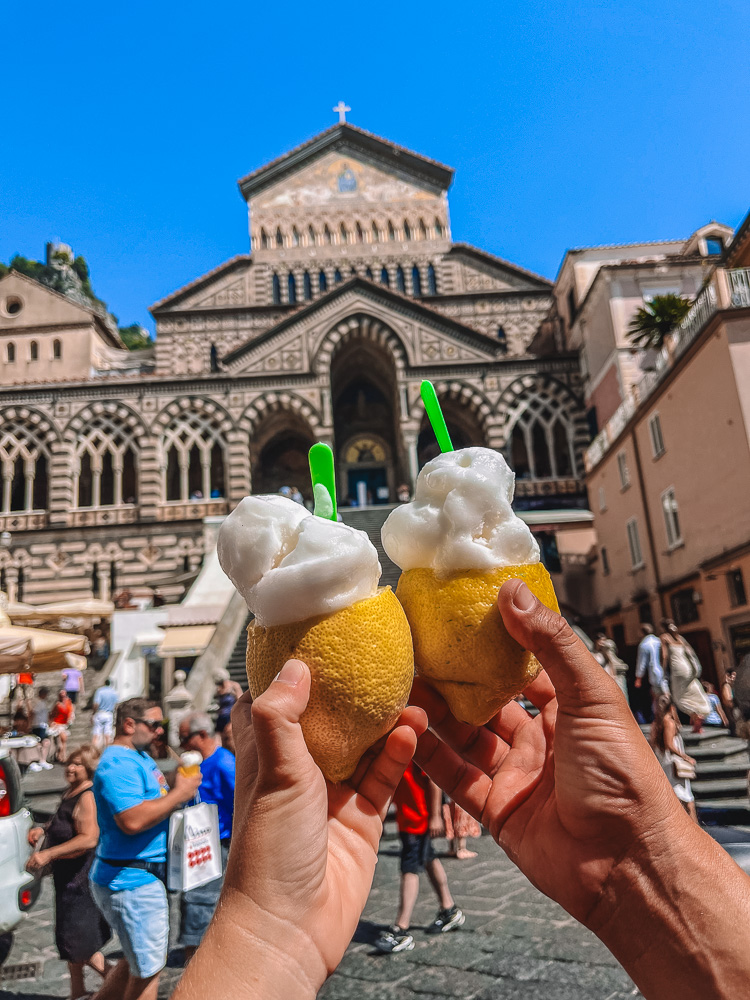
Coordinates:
133	804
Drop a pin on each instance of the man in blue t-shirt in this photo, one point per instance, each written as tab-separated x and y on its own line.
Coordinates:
133	805
217	770
102	723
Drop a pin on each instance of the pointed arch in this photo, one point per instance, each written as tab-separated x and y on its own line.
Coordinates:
322	281
407	230
291	289
337	277
400	280
34	350
307	286
438	229
295	237
360	326
391	232
193	450
431	280
545	428
311	237
327	234
263	239
343	233
385	278
360	233
467	411
279	237
26	442
276	289
375	233
422	230
106	441
368	273
416	281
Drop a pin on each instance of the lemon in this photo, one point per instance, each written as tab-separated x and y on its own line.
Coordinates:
461	646
361	662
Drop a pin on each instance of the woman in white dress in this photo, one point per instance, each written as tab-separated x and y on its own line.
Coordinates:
605	651
682	666
667	744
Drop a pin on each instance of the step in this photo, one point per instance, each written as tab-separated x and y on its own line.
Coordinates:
737	767
740	805
728	788
719	750
371	520
709	734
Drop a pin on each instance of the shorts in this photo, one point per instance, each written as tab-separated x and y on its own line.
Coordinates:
41	731
73	695
102	724
140	918
416	852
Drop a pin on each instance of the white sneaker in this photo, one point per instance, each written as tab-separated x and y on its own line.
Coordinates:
46	765
35	766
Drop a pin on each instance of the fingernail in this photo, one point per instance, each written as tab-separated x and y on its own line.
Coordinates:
523	599
291	673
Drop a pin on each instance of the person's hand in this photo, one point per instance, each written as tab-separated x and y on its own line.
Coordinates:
37	861
571	794
638	682
185	786
437	826
35	835
303	850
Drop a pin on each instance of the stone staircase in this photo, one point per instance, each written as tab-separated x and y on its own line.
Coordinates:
236	663
722	764
370	519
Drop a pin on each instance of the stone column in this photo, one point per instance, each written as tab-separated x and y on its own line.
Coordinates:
410	440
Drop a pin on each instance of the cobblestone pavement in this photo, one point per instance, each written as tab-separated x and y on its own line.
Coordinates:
515	945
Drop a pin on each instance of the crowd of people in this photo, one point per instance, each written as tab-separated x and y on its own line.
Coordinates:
106	846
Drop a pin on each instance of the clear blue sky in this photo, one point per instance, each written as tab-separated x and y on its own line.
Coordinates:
124	129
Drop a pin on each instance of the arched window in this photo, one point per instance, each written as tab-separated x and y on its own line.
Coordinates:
193	460
327	234
344	234
416	281
214	358
407	230
311	238
307	286
502	339
23	466
541	441
104	450
57	349
322	282
438	229
337	278
263	240
276	289
34	351
10	352
360	234
352	271
295	236
422	230
431	281
391	232
291	288
279	237
375	233
368	273
385	278
400	280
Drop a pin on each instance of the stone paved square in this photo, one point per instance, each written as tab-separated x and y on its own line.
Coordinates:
516	944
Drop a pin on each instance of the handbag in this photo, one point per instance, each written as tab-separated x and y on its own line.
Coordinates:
683	768
194	848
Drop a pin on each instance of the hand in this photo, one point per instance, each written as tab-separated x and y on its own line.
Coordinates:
304	850
37	861
186	786
437	827
35	835
570	794
639	682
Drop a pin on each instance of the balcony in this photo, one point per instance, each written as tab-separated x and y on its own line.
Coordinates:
191	510
549	487
726	290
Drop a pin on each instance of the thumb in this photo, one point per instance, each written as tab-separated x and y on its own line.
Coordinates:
282	753
577	677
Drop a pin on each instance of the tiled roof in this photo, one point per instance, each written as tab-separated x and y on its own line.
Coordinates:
494	259
197	282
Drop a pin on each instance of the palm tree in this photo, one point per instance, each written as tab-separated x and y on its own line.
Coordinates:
654	320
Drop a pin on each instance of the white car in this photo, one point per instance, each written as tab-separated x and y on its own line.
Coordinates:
18	889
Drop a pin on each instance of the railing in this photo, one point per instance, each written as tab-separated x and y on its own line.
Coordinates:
548	487
126	513
701	311
23	520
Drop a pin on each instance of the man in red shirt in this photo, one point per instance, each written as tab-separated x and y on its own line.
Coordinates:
62	715
418	810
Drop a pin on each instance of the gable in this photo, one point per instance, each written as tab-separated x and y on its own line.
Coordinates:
476	271
340	181
225	286
425	338
39	305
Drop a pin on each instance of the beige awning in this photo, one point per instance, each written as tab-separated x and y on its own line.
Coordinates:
49	650
186	640
15	655
90	607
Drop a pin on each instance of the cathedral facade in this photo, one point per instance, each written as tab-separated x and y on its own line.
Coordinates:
353	292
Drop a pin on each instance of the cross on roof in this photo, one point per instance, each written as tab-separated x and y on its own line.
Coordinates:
342	108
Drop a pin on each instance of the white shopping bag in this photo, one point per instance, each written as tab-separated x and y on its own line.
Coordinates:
194	848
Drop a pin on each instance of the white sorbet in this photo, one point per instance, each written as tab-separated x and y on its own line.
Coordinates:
290	565
461	517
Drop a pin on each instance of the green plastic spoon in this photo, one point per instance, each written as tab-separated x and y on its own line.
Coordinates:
435	414
323	481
